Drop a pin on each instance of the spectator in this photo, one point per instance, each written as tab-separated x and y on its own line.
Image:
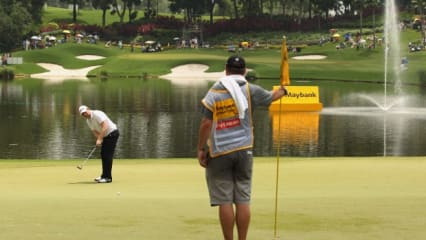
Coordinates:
4	57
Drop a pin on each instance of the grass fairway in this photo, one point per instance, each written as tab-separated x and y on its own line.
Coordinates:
319	198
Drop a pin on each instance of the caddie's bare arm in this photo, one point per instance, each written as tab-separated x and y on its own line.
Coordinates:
279	93
204	133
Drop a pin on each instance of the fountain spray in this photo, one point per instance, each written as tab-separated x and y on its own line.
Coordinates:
392	48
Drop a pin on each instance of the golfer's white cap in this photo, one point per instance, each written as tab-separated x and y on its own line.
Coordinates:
82	109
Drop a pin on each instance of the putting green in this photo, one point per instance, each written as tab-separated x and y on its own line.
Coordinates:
319	198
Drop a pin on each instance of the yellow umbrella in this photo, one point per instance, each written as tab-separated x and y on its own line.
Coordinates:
66	31
244	44
284	69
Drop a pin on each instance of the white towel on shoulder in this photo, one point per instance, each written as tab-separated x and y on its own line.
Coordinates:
230	83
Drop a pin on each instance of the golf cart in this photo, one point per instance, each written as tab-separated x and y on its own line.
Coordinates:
151	46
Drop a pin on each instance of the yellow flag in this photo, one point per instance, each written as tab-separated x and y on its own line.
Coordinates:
285	73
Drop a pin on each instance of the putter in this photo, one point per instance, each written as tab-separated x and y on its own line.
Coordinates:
85	161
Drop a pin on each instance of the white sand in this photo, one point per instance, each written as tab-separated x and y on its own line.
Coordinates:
310	57
90	57
57	73
191	74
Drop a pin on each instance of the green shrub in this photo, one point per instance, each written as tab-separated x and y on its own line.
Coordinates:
6	74
103	74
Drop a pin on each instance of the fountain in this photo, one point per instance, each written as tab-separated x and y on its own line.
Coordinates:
392	49
396	109
392	60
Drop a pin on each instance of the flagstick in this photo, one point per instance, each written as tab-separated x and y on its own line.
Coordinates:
277	174
284	80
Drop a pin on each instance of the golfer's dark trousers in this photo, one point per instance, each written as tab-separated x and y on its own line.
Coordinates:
107	153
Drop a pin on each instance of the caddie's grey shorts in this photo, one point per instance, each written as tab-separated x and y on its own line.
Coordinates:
229	178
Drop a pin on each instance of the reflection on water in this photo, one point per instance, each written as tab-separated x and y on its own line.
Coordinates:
158	119
398	125
299	129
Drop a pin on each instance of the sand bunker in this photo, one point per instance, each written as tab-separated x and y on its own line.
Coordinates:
191	74
57	73
90	57
310	57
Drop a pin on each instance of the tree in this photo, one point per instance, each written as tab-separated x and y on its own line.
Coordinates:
319	8
251	7
118	9
374	4
35	8
235	4
301	6
131	5
211	8
74	11
403	4
13	24
104	5
359	5
283	6
323	6
75	3
271	6
224	7
149	11
348	5
192	8
420	6
211	5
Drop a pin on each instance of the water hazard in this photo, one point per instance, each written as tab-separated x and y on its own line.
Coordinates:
158	119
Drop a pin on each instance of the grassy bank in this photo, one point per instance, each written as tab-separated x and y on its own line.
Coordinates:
348	64
319	198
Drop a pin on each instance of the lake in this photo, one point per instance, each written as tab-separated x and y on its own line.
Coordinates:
160	119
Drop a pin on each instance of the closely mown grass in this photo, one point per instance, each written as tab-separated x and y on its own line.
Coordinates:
318	198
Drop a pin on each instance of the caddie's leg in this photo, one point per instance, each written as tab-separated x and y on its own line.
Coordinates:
227	219
243	220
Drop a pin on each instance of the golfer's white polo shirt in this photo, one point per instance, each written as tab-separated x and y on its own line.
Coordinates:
95	120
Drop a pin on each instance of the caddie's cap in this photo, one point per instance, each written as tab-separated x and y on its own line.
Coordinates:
236	62
82	109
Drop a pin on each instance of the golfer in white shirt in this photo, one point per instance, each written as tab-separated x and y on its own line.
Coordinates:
106	134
